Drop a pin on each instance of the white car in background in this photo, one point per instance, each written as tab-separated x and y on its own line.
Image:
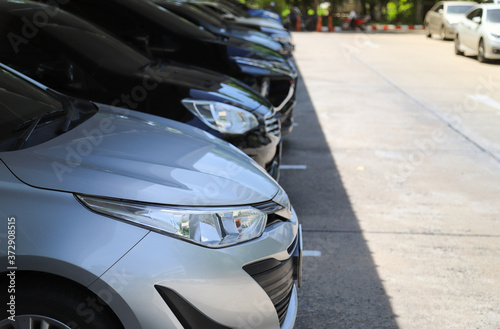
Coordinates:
478	33
444	16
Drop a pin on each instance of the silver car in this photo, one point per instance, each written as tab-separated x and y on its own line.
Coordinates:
119	219
443	17
479	33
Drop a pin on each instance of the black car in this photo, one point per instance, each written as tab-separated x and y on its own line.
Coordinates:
256	12
214	25
161	34
239	19
74	57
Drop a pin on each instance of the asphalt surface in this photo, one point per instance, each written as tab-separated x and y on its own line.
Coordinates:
397	145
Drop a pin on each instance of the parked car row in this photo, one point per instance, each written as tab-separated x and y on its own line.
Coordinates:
139	142
474	27
444	16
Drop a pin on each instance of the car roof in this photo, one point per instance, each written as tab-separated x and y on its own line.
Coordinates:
458	3
489	5
485	6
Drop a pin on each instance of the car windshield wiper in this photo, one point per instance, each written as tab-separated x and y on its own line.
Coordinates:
70	114
31	126
68	106
152	64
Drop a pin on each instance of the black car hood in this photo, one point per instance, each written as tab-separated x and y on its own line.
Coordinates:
166	18
254	37
241	48
206	84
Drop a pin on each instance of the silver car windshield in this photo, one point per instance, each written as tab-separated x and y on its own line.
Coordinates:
21	101
493	16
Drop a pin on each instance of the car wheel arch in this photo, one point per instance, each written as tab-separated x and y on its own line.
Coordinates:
46	278
428	32
442	32
481	54
458	51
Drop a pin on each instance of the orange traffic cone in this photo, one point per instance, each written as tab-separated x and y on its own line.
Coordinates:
298	24
319	26
330	24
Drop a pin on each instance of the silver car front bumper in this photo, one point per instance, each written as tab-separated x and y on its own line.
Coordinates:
212	281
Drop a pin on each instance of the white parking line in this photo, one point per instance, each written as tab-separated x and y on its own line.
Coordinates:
311	253
486	100
300	167
370	44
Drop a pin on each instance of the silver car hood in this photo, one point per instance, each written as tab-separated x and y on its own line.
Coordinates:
129	155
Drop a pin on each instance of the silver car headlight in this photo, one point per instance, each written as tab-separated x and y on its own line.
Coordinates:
225	118
210	227
276	66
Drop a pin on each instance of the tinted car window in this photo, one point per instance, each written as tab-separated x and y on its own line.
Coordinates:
104	50
438	8
474	13
209	10
49	63
193	14
20	101
235	10
75	35
119	23
206	16
493	16
217	10
458	9
135	17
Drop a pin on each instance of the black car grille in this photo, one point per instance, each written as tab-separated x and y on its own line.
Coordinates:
272	124
276	278
270	207
278	91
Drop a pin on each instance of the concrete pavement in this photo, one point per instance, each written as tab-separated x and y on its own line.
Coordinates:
402	188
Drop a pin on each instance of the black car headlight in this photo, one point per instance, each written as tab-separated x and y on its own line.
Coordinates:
225	118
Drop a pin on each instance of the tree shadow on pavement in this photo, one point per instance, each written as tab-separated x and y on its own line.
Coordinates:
341	288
